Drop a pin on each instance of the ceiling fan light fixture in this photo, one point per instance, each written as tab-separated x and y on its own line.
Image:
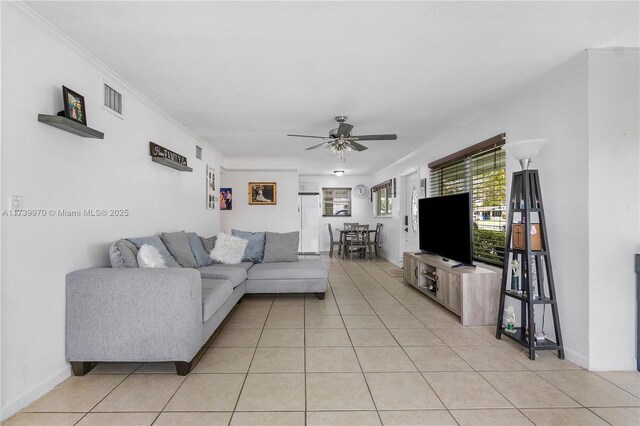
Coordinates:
338	172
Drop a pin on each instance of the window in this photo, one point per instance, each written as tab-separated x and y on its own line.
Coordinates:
382	199
336	201
481	171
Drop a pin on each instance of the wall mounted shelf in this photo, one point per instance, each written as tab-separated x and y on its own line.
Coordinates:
172	164
70	126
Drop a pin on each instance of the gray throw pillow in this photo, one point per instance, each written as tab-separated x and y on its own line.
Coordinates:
255	246
123	254
155	241
208	243
198	250
281	247
178	245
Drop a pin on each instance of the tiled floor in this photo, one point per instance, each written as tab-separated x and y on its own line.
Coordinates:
373	352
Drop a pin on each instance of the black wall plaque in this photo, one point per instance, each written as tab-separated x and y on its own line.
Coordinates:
158	151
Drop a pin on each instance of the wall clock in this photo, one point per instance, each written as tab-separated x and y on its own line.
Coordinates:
361	191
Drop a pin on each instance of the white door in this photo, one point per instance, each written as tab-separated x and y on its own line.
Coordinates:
310	213
412	194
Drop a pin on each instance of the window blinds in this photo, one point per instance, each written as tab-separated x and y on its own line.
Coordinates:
482	173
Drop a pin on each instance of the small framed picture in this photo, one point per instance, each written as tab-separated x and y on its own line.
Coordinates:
226	199
74	108
262	193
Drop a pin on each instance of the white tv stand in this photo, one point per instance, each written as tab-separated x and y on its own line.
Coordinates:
471	293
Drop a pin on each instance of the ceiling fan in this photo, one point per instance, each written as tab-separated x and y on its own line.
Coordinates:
340	141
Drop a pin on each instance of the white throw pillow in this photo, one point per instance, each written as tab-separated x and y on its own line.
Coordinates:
228	249
150	257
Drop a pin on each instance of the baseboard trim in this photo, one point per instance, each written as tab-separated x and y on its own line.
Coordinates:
612	364
392	261
576	357
34	393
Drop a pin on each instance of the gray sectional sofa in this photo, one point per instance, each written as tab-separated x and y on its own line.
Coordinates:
130	314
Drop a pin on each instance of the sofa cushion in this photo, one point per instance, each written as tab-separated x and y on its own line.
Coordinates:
122	254
229	249
178	245
281	247
208	243
255	245
214	294
150	257
234	273
198	250
155	241
303	269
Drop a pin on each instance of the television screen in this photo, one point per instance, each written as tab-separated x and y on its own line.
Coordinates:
445	227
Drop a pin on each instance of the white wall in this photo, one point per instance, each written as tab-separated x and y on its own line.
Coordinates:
361	209
53	169
283	217
614	206
554	107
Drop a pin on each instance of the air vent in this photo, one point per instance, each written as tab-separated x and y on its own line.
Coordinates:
198	152
113	100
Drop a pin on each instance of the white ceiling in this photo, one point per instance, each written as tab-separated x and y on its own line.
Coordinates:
242	75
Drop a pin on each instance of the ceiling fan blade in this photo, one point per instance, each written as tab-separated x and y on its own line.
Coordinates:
357	146
373	138
344	130
316	146
308	136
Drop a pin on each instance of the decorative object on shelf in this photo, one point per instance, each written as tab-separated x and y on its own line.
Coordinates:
168	158
74	108
340	140
515	275
262	193
511	319
226	199
361	191
423	188
211	188
338	172
531	250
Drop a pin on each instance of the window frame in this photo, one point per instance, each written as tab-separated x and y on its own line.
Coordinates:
350	202
382	193
467	171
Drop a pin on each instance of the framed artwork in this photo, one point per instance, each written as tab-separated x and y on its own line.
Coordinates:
226	199
74	108
423	188
211	188
262	193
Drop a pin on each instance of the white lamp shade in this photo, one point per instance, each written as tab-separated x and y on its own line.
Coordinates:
525	151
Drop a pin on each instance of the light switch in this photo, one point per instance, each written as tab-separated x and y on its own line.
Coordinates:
16	202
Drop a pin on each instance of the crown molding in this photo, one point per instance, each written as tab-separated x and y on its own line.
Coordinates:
24	10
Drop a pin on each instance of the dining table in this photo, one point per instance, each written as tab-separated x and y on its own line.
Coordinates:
343	237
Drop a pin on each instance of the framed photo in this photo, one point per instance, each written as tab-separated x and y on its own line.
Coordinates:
74	108
262	193
226	199
211	188
423	188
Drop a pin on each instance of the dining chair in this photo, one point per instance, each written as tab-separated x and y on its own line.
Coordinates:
333	242
349	225
376	242
357	240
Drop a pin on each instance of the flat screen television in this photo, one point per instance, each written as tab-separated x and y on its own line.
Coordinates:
445	227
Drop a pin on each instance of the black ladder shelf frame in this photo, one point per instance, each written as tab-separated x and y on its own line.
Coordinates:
525	190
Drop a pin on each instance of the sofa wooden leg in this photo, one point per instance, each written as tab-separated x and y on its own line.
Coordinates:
183	368
80	368
320	296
